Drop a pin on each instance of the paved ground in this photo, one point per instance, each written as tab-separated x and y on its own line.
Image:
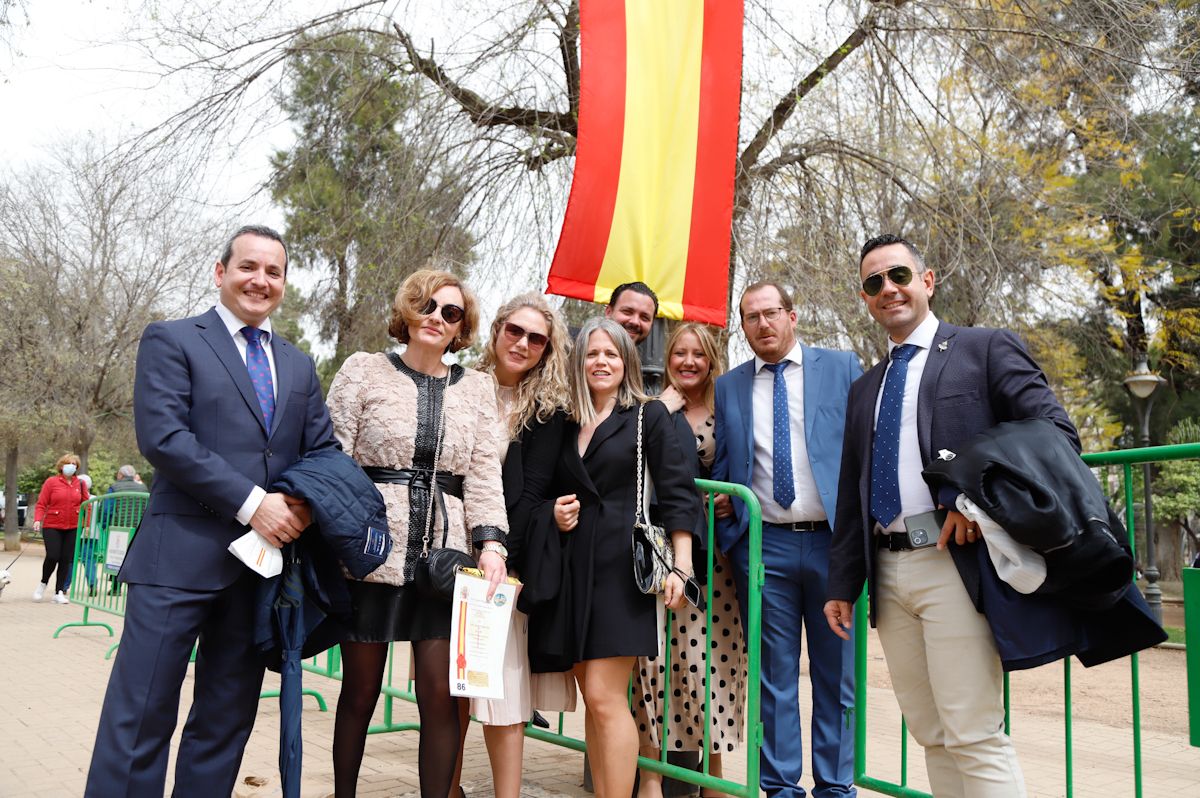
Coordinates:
52	689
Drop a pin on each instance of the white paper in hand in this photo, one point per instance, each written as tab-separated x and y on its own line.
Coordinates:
478	636
258	555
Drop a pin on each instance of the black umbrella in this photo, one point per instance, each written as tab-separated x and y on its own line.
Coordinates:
295	617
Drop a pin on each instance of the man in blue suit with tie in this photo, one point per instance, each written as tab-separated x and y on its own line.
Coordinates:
779	423
221	407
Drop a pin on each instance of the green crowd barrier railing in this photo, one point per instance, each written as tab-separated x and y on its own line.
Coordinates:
106	526
329	665
1126	459
1191	623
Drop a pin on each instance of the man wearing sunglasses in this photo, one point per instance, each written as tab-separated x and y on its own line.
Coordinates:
938	388
778	429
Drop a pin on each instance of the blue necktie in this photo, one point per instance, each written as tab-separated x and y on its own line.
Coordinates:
783	485
260	373
885	452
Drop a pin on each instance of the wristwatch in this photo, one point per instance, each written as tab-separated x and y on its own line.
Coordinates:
497	547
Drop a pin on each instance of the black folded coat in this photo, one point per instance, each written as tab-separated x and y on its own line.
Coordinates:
1028	478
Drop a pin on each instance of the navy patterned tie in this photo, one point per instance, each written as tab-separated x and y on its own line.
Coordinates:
260	373
885	452
783	484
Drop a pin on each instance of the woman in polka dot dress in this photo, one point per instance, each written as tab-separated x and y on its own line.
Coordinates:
693	363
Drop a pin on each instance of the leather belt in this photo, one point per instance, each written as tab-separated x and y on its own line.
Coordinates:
417	478
802	526
897	541
421	479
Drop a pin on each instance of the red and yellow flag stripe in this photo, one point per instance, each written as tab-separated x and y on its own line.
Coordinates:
652	196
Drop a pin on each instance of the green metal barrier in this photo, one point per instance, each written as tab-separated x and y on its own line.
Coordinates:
1191	623
106	526
1127	459
329	665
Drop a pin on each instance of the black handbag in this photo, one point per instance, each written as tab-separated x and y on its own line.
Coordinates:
434	571
653	554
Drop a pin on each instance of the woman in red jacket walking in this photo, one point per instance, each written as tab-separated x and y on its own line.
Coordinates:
56	516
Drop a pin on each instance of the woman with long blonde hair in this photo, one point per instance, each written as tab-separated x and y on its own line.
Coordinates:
613	621
527	356
693	364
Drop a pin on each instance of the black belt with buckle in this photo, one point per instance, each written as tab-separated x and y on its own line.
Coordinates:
897	541
802	526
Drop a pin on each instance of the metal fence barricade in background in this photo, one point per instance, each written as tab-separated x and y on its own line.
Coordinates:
329	665
1125	459
106	526
1191	623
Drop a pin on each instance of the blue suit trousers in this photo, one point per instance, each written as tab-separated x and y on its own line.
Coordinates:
793	599
162	624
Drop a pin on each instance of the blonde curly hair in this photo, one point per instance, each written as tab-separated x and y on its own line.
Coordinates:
543	389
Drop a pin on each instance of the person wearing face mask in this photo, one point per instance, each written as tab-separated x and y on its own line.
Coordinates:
56	516
430	437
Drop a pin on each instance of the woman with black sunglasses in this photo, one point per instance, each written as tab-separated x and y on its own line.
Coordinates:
527	356
430	437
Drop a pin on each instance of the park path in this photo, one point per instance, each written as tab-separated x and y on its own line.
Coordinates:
52	691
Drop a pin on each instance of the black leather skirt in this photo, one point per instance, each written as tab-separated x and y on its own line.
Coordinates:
383	613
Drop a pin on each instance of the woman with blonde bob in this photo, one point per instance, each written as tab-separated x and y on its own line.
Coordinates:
693	364
429	436
613	622
527	356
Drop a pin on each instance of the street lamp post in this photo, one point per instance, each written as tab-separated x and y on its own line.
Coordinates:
1142	385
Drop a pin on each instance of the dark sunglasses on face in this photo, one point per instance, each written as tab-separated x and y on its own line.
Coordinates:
898	275
514	333
451	314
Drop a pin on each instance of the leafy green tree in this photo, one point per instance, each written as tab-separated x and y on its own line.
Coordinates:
1177	489
368	191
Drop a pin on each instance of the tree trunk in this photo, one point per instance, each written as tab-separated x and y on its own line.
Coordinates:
12	535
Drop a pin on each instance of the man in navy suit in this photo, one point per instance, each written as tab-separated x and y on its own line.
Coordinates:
940	386
779	421
221	407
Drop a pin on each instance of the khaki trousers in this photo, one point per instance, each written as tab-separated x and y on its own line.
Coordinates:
946	675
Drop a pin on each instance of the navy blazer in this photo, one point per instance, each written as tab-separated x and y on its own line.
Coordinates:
828	374
974	378
199	424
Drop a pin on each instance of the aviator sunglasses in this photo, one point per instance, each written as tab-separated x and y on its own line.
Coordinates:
898	275
515	332
451	314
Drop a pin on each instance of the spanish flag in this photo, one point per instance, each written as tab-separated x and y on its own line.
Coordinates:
652	196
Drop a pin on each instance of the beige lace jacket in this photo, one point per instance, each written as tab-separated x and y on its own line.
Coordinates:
374	408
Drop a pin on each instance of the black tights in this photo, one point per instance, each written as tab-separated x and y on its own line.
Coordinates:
362	676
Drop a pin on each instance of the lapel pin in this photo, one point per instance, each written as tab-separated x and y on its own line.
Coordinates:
946	454
943	346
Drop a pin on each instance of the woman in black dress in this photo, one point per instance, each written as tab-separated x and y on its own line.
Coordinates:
613	622
403	417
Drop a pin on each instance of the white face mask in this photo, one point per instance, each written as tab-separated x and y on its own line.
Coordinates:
69	470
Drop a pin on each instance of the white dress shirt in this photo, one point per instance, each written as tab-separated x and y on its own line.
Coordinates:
807	504
914	492
234	325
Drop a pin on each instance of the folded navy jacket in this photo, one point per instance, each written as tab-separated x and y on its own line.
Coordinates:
349	534
1027	476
